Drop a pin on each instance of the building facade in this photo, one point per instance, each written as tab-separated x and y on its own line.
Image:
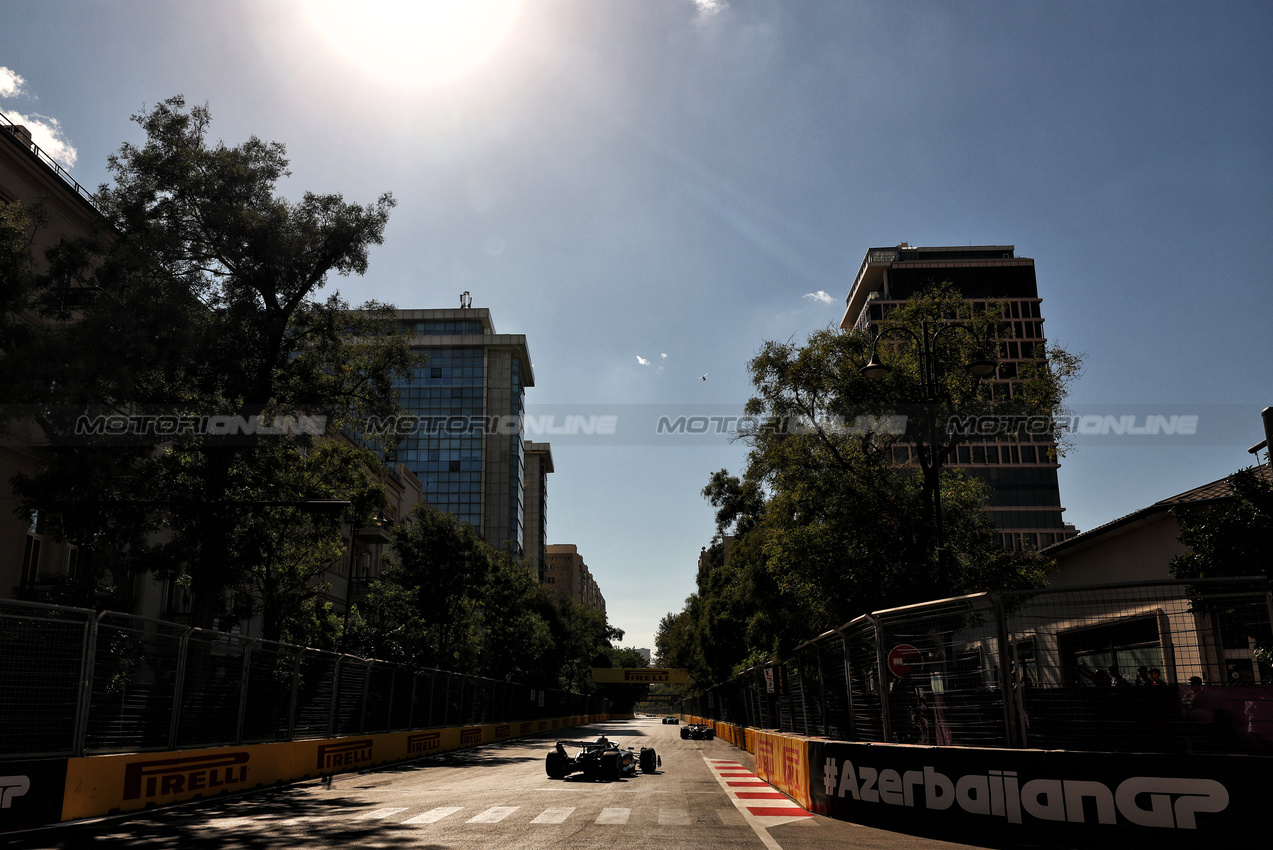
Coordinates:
539	464
568	577
1025	498
30	557
469	397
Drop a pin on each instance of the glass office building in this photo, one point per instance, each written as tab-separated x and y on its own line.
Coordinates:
469	397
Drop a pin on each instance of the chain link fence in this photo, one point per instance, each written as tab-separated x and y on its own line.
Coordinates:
76	682
1166	666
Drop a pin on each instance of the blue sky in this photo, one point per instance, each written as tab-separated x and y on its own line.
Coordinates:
678	181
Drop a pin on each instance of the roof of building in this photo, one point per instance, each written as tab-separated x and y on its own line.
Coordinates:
1214	491
870	274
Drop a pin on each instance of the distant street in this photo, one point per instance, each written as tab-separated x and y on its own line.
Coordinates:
499	796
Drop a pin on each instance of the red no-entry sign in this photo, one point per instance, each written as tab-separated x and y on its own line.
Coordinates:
904	658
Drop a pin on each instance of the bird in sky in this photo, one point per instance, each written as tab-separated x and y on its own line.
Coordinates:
703	377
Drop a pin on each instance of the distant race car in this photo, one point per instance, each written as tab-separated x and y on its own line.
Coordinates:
670	719
697	732
600	759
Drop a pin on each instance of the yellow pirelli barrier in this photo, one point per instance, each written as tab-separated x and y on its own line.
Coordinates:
107	784
783	762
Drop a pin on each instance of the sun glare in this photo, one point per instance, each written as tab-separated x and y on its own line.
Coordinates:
415	42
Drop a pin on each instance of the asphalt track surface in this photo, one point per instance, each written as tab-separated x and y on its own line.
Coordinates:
705	796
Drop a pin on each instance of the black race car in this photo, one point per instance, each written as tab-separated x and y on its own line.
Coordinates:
697	732
670	719
600	759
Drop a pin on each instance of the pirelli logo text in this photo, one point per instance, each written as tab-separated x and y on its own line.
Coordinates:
472	735
502	732
647	675
343	755
524	729
177	776
424	743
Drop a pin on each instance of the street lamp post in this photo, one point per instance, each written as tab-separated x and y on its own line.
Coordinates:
930	374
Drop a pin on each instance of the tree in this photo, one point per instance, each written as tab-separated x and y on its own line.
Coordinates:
826	523
200	298
1232	537
454	602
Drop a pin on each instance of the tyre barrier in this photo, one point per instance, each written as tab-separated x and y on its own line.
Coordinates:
38	792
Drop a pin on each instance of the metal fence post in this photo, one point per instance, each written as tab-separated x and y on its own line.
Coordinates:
1005	673
296	685
881	667
848	688
183	651
822	691
86	684
331	709
244	680
366	686
804	704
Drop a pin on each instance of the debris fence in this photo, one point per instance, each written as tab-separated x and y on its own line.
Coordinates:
76	682
1167	666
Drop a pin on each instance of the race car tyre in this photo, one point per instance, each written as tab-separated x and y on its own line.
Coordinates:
649	761
555	766
685	734
610	767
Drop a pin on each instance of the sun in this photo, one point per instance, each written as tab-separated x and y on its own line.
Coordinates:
415	42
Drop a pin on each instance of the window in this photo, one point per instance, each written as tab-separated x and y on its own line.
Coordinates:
31	553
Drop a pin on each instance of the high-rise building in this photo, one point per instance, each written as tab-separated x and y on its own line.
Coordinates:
539	463
1025	499
468	449
568	577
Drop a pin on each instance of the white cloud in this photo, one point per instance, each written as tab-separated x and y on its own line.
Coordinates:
664	356
642	360
45	131
47	134
710	7
10	82
819	296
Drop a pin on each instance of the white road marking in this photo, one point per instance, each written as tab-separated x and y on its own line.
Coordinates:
674	817
380	814
554	815
619	816
494	814
758	825
435	815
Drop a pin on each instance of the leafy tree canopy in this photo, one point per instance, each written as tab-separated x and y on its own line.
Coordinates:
201	297
827	522
1231	538
454	602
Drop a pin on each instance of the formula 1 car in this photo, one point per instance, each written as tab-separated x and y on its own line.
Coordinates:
697	732
675	721
600	759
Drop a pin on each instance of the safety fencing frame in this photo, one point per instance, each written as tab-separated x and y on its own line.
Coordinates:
1010	670
79	683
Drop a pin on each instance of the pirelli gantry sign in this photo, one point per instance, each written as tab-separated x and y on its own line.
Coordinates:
639	676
